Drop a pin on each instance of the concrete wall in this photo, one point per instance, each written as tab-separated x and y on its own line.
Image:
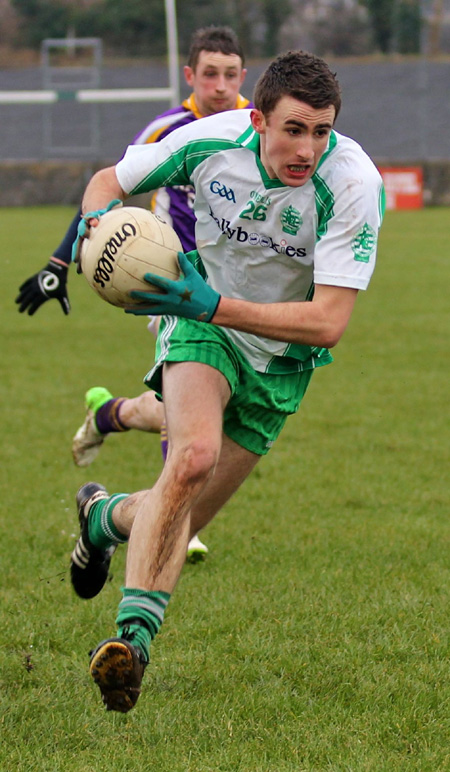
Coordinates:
25	183
437	183
34	183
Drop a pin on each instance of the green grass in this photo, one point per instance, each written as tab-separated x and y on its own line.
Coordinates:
316	636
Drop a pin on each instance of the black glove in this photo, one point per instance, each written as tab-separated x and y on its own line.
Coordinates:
49	283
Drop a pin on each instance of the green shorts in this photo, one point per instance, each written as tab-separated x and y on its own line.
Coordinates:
259	402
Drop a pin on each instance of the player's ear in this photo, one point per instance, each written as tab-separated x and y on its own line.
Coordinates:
258	121
243	74
188	75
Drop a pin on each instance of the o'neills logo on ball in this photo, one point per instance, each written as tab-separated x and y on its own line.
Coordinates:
105	263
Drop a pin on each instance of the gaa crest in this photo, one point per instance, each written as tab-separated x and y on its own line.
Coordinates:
364	243
291	220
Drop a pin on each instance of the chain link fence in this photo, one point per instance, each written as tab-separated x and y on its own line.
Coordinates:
398	111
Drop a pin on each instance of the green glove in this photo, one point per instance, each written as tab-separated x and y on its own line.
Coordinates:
190	297
84	228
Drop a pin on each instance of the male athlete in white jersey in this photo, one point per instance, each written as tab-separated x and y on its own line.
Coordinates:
215	72
288	213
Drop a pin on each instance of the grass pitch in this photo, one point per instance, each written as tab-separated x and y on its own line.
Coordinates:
315	636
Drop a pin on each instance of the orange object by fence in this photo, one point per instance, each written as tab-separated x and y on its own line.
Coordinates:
404	186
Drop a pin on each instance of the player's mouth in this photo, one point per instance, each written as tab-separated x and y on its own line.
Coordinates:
299	171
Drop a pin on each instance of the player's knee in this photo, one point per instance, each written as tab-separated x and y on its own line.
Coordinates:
195	462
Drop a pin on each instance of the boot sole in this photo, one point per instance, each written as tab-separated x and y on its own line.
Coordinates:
112	668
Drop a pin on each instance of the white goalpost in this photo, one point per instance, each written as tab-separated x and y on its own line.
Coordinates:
85	89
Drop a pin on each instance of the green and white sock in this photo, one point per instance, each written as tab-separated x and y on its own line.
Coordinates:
102	531
141	614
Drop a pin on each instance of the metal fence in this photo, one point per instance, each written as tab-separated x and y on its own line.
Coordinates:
398	110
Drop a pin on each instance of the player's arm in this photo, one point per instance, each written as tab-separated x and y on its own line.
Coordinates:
320	322
103	188
142	169
51	281
102	194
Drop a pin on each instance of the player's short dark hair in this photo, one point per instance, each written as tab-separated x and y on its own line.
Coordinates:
213	38
301	75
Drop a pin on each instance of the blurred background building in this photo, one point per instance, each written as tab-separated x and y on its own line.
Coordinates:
392	58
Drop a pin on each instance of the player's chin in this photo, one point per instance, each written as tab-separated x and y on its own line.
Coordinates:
220	106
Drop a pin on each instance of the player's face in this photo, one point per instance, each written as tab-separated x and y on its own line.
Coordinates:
293	138
215	81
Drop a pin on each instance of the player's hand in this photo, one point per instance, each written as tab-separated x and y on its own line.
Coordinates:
84	227
190	296
49	283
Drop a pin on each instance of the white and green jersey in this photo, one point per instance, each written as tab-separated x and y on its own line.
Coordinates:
258	239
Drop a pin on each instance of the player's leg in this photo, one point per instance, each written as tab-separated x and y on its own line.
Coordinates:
118	664
106	414
195	396
210	502
234	466
158	524
145	413
196	549
159	521
253	419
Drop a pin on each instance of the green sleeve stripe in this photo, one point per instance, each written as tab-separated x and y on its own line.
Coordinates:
199	151
160	176
324	205
310	293
249	138
324	196
332	142
179	166
382	203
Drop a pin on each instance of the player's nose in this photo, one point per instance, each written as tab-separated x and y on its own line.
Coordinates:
305	148
221	83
